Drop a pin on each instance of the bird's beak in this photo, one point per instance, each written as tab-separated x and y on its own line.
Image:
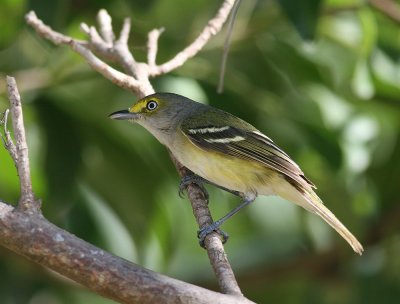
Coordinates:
123	114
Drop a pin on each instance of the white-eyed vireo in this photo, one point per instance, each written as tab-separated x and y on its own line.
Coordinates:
228	152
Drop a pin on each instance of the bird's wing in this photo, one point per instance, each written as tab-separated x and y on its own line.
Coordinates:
251	145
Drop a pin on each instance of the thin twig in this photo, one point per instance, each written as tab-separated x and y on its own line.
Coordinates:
46	32
119	50
126	29
27	201
227	45
152	46
96	42
115	76
120	79
211	29
104	21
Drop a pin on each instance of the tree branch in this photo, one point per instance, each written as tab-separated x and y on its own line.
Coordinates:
112	277
137	81
152	46
19	150
84	49
215	249
213	27
104	20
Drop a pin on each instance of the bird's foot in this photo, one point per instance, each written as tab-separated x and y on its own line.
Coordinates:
192	179
214	227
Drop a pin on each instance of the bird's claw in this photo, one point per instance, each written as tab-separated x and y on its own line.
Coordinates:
182	188
191	179
214	227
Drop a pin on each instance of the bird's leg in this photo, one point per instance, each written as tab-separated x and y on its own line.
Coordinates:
202	233
195	179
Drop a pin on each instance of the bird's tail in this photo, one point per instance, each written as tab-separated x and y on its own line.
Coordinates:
318	207
311	202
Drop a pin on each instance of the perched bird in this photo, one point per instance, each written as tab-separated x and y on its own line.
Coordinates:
223	150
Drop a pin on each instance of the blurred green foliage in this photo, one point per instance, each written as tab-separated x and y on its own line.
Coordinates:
320	77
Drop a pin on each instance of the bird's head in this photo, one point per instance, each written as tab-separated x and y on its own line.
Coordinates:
159	113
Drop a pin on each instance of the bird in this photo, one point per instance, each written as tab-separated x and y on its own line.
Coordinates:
226	151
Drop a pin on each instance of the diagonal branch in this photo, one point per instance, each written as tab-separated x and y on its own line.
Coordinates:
214	246
211	29
137	79
115	278
122	80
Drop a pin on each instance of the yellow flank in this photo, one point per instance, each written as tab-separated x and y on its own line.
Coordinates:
229	172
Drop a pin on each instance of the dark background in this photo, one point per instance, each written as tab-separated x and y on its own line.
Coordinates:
321	78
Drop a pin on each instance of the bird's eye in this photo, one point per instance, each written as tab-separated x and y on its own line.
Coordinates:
151	105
